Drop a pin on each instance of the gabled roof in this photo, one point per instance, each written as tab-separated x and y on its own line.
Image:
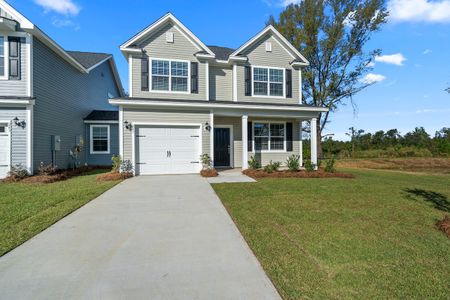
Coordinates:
222	53
29	27
103	115
89	59
130	44
287	45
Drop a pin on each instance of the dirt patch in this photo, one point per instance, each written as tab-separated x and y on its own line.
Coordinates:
426	165
299	174
209	173
444	225
113	176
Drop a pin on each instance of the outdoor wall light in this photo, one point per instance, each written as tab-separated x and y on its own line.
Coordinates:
127	125
207	126
19	123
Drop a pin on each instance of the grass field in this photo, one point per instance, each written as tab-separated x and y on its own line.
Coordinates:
372	237
425	165
27	209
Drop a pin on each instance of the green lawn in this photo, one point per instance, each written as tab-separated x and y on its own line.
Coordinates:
27	209
371	237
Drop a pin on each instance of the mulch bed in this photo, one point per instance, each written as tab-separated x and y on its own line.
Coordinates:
255	174
444	225
113	176
59	175
209	173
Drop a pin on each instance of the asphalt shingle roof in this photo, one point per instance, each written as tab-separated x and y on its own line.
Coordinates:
88	59
103	115
222	53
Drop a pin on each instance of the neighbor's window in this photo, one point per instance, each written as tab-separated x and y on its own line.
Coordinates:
99	139
168	75
269	136
2	128
268	82
2	56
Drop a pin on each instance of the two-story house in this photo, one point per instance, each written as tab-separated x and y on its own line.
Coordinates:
187	99
46	93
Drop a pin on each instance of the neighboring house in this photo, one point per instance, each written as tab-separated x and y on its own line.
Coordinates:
45	92
187	99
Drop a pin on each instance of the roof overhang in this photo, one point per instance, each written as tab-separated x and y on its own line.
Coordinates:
7	24
167	18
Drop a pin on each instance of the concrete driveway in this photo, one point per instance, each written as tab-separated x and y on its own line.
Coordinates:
155	237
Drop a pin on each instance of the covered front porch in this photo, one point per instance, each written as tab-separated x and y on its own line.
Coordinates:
234	140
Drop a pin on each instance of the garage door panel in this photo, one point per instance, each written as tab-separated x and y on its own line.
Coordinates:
153	142
4	155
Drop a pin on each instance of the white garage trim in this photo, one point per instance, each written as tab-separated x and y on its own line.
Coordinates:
7	133
139	124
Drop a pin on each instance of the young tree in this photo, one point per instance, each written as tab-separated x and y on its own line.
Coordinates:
332	35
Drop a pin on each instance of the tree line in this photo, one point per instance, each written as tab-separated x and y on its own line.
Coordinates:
390	143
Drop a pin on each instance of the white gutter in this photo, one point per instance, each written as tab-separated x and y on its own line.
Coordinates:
17	102
209	105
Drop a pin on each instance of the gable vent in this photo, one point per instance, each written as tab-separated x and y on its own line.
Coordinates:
169	37
268	47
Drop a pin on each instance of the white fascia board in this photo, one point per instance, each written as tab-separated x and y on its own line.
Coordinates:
205	56
237	58
209	105
163	20
299	64
277	34
18	102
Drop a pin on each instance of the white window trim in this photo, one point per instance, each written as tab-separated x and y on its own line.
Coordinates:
268	122
91	140
268	82
151	90
6	54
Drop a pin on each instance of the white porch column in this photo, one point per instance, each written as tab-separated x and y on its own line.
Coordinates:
211	136
300	138
244	142
314	141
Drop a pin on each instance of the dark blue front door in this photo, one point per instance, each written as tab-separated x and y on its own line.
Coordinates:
222	147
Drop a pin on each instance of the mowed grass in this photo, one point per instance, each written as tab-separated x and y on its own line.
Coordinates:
27	209
372	237
433	165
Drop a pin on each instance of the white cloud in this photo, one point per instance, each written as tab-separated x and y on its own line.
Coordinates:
65	7
373	78
419	11
287	2
370	64
427	51
393	59
65	23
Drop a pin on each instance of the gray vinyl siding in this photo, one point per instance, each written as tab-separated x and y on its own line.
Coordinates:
264	157
221	83
181	49
165	117
279	58
18	135
64	96
17	87
102	159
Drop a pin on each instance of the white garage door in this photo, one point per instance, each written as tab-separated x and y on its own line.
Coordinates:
4	150
167	150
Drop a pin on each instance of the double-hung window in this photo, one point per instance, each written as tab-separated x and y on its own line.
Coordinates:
100	139
3	58
169	75
269	136
268	82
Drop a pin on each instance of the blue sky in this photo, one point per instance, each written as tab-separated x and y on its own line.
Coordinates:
410	76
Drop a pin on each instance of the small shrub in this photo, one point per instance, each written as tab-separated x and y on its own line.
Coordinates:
330	165
253	163
113	176
309	166
17	173
47	170
272	167
444	225
206	161
116	162
293	163
126	166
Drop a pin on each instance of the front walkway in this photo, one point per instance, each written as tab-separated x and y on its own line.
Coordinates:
155	237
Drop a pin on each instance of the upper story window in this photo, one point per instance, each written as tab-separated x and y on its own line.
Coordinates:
100	139
268	82
3	48
169	75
